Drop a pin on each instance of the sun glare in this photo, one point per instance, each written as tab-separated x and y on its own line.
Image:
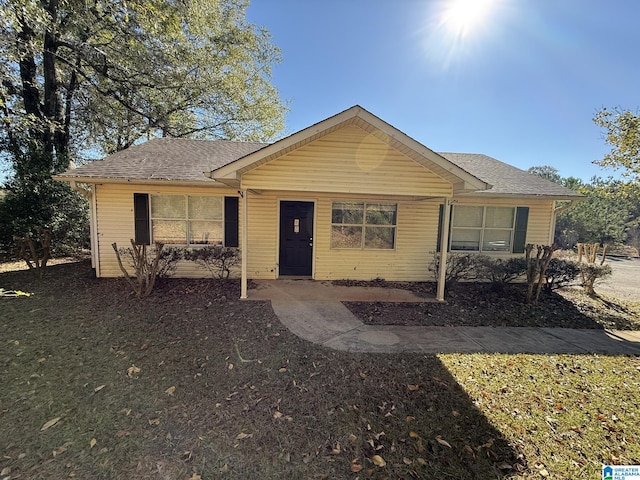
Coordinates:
462	16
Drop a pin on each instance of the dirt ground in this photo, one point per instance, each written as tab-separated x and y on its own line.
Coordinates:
616	305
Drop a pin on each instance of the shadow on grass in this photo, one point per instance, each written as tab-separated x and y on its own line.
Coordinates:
191	380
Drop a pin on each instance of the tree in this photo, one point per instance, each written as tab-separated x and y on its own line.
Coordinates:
623	134
608	215
602	218
548	172
89	77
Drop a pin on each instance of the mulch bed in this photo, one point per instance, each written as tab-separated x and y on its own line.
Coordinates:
477	304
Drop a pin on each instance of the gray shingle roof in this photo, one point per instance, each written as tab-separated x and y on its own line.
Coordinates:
506	179
176	159
179	159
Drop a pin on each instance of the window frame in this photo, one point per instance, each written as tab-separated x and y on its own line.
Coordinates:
187	220
483	228
363	226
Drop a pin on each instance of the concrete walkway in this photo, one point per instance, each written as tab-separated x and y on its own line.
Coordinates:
313	311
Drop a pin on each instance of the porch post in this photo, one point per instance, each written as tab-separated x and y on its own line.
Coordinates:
244	252
444	245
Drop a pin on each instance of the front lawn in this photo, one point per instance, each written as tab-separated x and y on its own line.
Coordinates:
193	383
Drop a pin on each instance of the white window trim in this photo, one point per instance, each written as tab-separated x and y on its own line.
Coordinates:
185	219
483	228
364	226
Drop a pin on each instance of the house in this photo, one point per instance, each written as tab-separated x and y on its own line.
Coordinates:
350	197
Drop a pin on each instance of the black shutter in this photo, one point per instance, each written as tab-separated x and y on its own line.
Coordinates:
440	224
440	220
231	221
520	233
141	218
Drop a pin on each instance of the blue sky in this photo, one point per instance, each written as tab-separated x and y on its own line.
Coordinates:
522	85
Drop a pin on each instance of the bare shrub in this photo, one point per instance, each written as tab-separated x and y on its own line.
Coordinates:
36	252
590	273
500	271
590	269
536	269
217	259
169	258
460	266
560	272
146	267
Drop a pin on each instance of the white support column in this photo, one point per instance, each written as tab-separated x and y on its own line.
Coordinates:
444	246
93	231
244	247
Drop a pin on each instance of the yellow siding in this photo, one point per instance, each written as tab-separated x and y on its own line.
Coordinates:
350	161
116	223
416	236
416	232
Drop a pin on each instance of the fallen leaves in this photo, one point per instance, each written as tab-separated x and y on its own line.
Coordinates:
378	461
132	370
50	423
442	442
60	450
170	391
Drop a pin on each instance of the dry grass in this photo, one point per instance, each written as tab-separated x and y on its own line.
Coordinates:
193	381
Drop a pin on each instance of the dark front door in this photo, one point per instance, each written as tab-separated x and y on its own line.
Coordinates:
296	238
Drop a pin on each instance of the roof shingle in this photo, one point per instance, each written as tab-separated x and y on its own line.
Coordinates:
179	159
176	159
506	179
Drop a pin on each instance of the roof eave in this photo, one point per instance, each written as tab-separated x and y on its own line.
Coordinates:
485	194
134	181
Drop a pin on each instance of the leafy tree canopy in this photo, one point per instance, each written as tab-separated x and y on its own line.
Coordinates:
609	214
623	134
548	172
97	75
84	78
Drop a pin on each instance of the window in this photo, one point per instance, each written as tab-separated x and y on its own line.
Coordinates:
483	229
363	225
187	220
